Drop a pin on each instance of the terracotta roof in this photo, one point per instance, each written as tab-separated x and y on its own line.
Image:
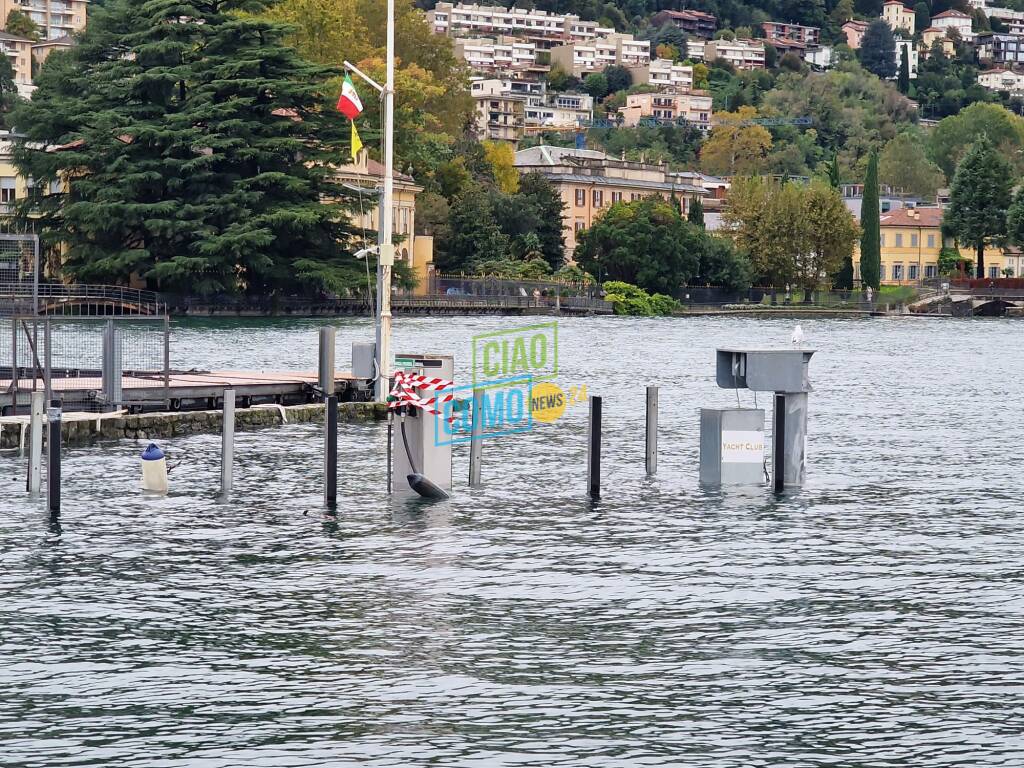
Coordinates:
905	217
8	36
952	13
695	15
856	23
932	29
785	42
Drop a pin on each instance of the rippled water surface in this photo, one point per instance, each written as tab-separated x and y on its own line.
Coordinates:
874	619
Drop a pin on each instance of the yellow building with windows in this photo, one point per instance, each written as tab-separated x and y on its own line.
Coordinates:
911	239
415	250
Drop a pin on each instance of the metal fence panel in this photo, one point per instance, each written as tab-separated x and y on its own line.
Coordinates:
70	360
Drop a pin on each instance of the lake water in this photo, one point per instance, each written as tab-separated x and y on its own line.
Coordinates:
873	619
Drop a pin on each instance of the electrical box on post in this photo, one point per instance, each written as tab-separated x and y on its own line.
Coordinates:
363	354
430	450
732	446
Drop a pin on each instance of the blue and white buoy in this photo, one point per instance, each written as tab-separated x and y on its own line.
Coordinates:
154	470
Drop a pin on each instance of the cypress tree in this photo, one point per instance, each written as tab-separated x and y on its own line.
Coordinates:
870	246
197	146
696	213
903	81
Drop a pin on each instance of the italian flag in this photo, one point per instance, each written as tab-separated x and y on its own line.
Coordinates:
348	103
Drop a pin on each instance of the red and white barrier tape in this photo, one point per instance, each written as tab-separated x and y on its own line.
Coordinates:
404	392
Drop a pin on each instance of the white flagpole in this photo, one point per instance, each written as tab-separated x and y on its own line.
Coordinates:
386	258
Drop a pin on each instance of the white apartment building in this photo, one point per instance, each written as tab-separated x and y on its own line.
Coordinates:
695	50
742	54
18	51
1002	80
466	19
616	49
499	114
497	98
1013	20
560	110
898	16
954	19
504	54
55	18
693	107
821	57
664	73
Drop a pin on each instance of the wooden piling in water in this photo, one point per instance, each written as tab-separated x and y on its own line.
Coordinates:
594	449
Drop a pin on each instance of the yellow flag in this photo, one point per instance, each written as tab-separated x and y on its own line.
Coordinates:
357	143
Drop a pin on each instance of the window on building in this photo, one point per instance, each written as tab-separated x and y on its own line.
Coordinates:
897	271
581	198
913	241
899	239
580	226
598	198
931	270
912	272
993	272
8	191
616	197
881	272
881	239
931	241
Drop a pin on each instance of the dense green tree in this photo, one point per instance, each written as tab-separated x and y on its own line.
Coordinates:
618	78
723	265
853	113
547	204
644	243
878	50
1015	221
834	178
20	24
979	198
474	236
903	78
596	84
870	239
904	165
197	145
922	16
696	213
8	91
949	140
796	234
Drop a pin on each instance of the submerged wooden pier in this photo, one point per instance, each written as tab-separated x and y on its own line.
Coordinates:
188	390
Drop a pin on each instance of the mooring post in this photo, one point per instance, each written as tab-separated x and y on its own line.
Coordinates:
652	430
391	436
326	368
111	368
326	377
476	440
53	415
331	453
779	443
35	443
594	449
227	445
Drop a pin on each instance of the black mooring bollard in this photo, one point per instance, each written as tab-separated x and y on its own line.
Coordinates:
779	443
594	449
652	431
331	452
53	415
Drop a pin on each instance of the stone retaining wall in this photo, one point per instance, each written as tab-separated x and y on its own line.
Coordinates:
83	428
